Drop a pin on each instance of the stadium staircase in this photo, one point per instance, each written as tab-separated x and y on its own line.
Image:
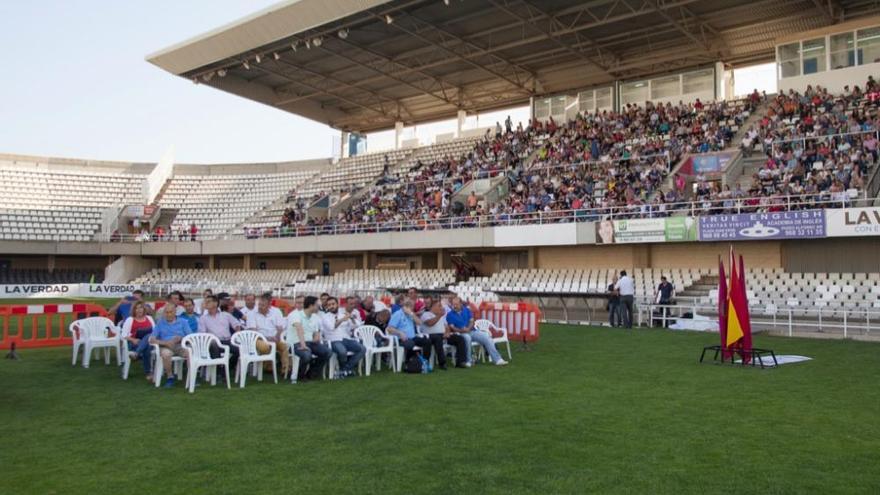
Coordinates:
698	290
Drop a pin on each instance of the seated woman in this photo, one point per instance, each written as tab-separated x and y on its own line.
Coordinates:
137	329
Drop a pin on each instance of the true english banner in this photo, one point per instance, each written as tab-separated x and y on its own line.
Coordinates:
808	224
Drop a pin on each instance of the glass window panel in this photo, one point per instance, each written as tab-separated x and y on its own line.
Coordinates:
665	87
634	92
603	98
790	68
542	108
814	56
790	51
843	52
699	81
868	45
585	101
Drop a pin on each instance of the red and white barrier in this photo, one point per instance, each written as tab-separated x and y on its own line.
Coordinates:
522	320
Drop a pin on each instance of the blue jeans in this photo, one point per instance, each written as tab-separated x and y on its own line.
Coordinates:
485	340
311	359
145	351
342	347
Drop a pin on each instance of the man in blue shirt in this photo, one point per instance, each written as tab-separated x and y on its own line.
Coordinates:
167	334
189	315
403	324
461	321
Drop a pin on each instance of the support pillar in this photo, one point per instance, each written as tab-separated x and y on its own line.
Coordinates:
462	115
366	260
440	259
50	263
533	257
247	262
343	145
398	131
211	262
302	262
165	263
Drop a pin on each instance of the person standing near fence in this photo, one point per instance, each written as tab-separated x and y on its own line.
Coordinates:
626	289
613	304
663	296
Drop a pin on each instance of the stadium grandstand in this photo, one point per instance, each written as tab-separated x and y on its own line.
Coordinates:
637	162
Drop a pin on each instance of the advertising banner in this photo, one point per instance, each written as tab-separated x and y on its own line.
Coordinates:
638	230
851	222
763	226
65	290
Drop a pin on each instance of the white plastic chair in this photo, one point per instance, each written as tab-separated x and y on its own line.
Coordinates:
96	332
199	346
246	341
159	370
294	359
333	363
488	326
367	335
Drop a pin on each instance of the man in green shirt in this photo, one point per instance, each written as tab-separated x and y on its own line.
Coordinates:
304	335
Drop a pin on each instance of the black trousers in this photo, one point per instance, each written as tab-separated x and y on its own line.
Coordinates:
455	340
233	353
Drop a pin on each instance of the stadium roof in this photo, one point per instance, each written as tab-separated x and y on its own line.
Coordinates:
362	65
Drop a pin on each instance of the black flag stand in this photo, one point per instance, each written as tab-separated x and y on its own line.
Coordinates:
524	347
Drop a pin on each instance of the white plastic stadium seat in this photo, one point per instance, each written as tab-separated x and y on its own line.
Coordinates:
246	341
488	326
367	335
199	347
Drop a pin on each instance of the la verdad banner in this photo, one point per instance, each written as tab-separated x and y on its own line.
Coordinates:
851	222
44	291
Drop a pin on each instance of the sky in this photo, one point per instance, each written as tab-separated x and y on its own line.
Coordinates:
74	83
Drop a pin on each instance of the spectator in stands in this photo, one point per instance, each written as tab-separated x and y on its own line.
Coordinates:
268	321
627	289
461	322
613	303
403	324
337	326
193	231
664	296
137	329
433	324
189	314
167	334
304	335
221	325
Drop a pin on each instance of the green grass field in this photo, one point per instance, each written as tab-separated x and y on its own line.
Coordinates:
590	410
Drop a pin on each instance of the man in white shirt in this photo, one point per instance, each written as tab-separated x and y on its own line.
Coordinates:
434	325
271	323
337	326
250	305
627	289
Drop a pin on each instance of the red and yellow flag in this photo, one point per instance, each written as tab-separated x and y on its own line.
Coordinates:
733	310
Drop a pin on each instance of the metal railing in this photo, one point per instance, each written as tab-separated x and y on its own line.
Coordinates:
689	208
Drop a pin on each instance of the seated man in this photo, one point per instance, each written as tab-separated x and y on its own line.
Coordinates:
434	325
250	305
269	321
221	325
337	325
461	321
402	325
189	315
305	336
167	334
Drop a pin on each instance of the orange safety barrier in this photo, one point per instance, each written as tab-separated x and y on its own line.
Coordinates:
522	320
41	325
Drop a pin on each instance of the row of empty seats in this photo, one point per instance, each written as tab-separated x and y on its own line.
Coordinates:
219	203
375	279
29	276
60	204
228	278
